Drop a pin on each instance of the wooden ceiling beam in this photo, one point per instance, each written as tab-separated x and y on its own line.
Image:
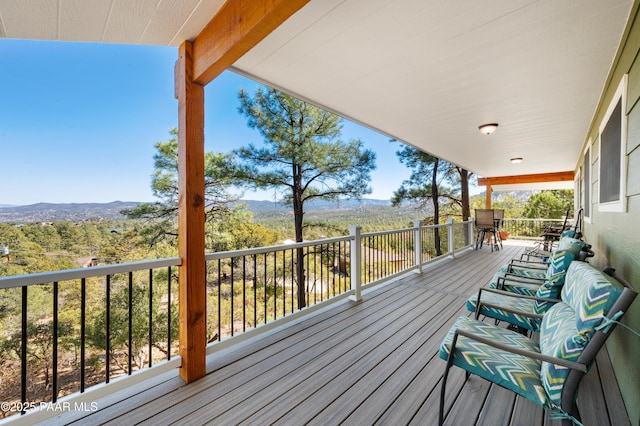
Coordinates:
522	179
238	26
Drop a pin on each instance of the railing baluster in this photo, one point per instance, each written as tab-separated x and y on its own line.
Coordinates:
255	291
244	293
387	253
381	256
333	264
294	283
23	355
378	261
391	256
321	273
342	280
54	367
315	265
339	266
232	296
83	324
395	257
308	278
379	243
219	299
130	364
107	348
265	287
150	317
168	313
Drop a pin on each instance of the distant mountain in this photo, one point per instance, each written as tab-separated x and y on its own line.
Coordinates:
51	212
270	206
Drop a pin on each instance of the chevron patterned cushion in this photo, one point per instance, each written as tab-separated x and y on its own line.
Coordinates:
558	265
559	262
506	302
535	270
568	326
590	302
517	373
558	338
521	288
520	285
572	245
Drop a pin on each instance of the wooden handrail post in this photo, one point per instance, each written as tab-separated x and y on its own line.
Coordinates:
192	285
470	240
417	244
356	263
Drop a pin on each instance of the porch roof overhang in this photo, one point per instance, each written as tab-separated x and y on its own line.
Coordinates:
426	73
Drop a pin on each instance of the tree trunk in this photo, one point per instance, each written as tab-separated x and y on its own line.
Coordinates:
466	209
435	196
298	215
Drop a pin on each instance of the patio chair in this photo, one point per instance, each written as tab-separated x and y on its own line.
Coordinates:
486	225
537	268
547	373
525	277
515	305
551	236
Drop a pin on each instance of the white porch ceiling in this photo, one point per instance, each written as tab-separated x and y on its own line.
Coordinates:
425	72
154	22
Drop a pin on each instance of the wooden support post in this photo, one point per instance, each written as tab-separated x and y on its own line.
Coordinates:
237	27
487	203
489	194
193	337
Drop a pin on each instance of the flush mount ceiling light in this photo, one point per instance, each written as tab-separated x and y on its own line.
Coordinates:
516	160
488	128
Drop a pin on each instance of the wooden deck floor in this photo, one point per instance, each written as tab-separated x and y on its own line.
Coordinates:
373	362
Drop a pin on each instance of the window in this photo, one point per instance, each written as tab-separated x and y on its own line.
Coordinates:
586	182
613	131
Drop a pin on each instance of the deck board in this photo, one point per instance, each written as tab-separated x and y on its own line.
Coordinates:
372	362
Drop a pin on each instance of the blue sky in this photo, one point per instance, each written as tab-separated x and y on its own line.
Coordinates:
78	122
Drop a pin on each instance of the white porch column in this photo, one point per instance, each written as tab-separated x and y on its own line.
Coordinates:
356	263
450	237
417	244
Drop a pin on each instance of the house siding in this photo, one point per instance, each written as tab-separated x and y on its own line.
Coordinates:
616	236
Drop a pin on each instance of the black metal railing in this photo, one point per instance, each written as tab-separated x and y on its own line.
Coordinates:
387	253
250	287
528	228
87	326
81	327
